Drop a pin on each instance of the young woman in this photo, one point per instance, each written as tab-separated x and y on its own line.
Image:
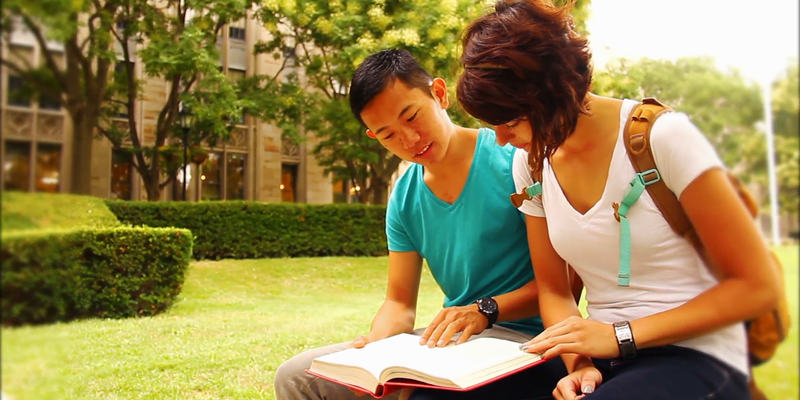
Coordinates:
673	331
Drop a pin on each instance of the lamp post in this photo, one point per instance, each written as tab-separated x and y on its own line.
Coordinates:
186	119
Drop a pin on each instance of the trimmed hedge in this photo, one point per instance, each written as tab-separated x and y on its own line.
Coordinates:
249	229
118	272
24	211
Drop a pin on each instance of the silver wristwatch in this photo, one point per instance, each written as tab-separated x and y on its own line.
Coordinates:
627	347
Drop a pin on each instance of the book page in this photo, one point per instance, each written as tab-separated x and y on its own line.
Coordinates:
377	356
452	362
470	361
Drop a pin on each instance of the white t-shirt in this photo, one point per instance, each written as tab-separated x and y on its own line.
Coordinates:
665	270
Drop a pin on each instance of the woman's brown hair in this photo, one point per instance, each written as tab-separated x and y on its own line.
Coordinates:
526	60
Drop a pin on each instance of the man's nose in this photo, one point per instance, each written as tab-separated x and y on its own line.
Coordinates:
409	137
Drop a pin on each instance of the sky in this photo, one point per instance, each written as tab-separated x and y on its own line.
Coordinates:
755	37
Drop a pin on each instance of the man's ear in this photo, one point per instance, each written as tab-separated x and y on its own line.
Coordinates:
439	91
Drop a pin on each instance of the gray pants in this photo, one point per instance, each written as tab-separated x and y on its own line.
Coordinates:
293	383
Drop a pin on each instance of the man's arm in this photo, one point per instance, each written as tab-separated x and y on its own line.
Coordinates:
398	311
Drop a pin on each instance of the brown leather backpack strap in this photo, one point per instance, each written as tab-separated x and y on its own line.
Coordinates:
637	142
536	174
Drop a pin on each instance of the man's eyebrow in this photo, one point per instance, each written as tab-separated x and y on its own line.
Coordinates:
398	116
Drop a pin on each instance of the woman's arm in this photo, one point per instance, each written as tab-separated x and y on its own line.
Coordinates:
557	300
750	279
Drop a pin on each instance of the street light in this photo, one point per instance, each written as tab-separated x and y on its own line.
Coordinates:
186	119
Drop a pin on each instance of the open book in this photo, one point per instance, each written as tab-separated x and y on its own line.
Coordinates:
388	365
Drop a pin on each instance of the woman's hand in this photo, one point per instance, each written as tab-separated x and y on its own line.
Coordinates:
575	335
578	384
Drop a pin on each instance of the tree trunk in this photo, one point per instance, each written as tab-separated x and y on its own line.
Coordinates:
82	138
379	189
152	186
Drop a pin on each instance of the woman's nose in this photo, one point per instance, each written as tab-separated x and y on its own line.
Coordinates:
503	135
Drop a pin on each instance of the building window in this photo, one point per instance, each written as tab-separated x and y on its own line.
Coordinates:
339	191
121	174
16	166
289	182
210	177
237	75
236	33
48	167
234	176
230	175
48	103
18	93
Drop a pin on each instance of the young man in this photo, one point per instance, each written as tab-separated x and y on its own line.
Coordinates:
450	208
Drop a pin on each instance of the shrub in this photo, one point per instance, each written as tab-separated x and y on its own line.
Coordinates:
248	229
61	275
30	211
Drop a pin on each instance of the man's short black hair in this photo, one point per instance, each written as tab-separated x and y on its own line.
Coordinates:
381	69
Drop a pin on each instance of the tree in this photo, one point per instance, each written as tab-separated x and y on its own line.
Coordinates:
176	42
724	105
81	85
326	40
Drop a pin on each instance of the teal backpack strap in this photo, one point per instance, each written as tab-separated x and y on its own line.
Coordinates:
530	191
632	193
637	144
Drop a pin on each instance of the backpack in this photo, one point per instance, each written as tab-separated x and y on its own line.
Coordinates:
764	333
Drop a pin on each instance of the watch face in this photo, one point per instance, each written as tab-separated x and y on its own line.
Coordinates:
488	306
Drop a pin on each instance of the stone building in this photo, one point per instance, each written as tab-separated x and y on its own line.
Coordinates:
255	164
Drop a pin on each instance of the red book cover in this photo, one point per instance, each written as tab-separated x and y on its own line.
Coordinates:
398	384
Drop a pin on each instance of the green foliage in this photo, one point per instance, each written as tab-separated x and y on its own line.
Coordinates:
30	211
248	229
328	41
723	105
63	275
175	40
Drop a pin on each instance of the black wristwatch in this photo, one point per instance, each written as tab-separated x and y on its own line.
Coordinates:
488	307
627	346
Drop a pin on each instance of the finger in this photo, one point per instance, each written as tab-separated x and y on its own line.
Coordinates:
360	342
437	333
432	326
588	384
452	328
357	392
568	325
465	334
549	343
546	333
560	349
566	389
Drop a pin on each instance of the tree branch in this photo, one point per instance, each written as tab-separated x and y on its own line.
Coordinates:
48	56
328	69
40	86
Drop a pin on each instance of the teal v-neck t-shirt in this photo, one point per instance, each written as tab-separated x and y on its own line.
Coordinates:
475	247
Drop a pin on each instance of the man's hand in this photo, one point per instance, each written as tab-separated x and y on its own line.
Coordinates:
467	320
360	341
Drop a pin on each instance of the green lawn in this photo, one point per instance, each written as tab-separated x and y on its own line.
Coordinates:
236	321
